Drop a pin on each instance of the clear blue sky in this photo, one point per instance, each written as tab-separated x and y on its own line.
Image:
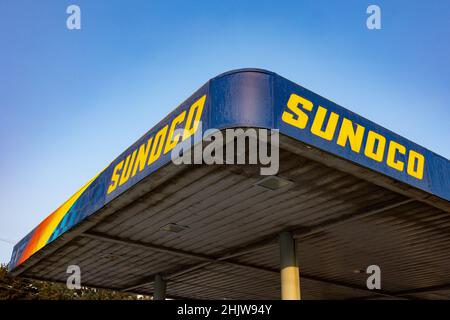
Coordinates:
71	101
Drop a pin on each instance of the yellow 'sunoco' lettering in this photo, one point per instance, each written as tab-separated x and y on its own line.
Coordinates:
325	125
115	177
161	143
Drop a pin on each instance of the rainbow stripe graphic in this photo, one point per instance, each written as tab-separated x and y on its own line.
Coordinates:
42	234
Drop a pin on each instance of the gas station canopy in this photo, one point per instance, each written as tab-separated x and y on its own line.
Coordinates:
350	192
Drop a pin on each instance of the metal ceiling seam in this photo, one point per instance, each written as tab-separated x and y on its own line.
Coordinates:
192	204
247	214
351	217
361	172
347	218
160	207
141	211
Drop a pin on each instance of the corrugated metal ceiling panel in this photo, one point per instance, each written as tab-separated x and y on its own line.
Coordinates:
225	211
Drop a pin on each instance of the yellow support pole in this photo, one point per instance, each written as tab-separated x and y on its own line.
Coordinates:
290	275
160	288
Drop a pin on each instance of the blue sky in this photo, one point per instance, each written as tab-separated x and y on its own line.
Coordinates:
71	101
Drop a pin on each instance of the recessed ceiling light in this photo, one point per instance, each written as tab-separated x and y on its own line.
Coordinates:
173	227
274	183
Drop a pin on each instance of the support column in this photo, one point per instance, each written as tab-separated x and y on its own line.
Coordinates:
160	288
290	276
